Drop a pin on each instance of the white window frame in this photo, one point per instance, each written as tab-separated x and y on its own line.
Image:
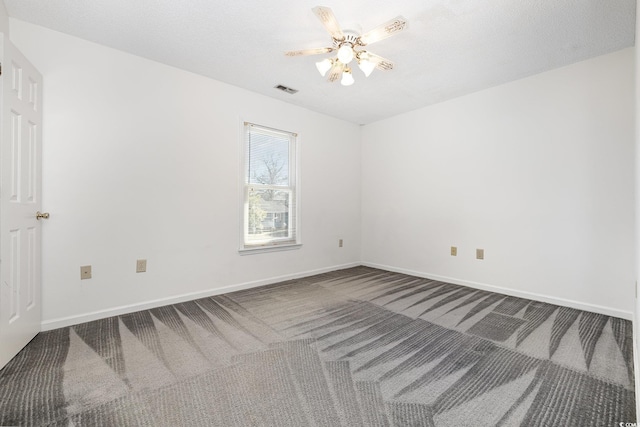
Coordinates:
274	244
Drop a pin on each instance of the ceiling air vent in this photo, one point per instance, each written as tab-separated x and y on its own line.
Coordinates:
286	89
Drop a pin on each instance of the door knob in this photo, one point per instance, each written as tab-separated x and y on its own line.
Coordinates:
44	215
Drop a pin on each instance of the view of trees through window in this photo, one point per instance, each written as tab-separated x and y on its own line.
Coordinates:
269	186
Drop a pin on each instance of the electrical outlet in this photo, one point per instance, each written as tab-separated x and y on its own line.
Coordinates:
85	272
479	253
454	251
340	243
141	266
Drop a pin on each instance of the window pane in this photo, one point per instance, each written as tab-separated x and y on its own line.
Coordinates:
268	158
270	189
268	215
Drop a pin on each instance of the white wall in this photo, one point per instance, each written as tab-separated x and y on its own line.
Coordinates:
538	172
4	19
140	160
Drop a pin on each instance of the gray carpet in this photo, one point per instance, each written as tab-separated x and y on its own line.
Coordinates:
357	347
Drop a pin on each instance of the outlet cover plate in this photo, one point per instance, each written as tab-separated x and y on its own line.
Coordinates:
480	253
141	266
85	272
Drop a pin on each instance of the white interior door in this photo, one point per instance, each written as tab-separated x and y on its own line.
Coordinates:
20	200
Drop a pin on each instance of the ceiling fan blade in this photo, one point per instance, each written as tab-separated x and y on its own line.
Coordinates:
381	63
305	52
336	71
385	30
328	19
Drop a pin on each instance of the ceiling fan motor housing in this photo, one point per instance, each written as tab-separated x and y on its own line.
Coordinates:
350	37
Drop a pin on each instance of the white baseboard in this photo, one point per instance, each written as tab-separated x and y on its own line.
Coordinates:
130	308
608	311
48	325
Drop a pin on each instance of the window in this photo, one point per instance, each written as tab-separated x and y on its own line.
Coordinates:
269	182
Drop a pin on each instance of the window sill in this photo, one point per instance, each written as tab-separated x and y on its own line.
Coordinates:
272	248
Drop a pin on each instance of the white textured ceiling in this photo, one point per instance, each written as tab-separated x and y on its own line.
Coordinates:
451	48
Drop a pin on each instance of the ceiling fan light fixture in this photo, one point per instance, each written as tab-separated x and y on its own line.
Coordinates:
345	53
347	77
366	66
347	46
324	66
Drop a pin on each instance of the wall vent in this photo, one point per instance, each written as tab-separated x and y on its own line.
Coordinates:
286	89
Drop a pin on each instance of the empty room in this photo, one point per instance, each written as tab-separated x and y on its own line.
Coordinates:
363	213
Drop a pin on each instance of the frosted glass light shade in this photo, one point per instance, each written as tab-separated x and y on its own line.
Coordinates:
366	66
347	78
324	66
345	53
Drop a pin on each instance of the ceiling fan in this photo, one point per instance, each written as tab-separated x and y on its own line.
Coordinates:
349	46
